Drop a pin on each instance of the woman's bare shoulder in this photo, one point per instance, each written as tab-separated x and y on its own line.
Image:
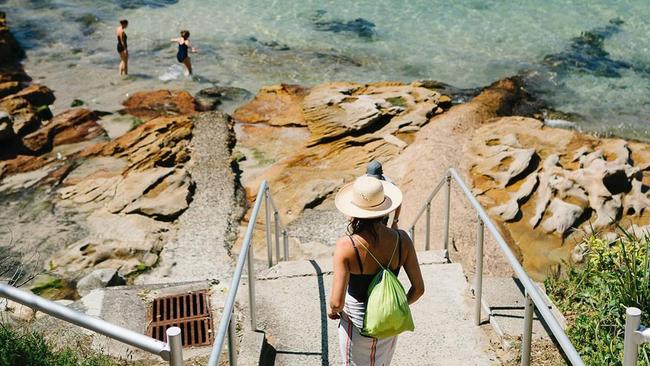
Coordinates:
405	239
343	243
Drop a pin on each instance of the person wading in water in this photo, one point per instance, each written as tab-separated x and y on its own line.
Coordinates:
184	46
122	47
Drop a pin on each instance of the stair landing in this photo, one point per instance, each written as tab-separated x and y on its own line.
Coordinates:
292	300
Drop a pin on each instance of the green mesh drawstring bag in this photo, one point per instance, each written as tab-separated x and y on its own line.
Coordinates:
387	310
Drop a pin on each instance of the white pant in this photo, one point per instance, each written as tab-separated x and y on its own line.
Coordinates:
358	350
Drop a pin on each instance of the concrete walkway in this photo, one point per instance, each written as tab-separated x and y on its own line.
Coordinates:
206	229
292	302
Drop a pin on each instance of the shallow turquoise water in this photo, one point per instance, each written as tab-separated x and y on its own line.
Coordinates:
71	48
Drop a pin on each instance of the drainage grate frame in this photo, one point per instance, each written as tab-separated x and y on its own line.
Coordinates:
189	311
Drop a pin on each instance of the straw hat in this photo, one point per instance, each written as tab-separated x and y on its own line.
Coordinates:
367	198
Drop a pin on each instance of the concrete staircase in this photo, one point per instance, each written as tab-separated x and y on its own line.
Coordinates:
292	299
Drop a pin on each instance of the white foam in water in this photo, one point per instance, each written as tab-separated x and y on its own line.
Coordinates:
559	123
173	72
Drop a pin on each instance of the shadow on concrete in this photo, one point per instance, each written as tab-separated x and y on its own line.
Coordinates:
323	314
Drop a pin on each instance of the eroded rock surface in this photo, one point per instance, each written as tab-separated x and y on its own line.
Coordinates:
91	203
348	123
338	109
577	183
278	105
152	104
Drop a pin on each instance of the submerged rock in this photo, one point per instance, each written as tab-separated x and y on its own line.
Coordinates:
134	4
586	54
210	98
359	26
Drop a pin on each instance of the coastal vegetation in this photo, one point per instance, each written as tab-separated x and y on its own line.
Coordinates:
594	296
19	347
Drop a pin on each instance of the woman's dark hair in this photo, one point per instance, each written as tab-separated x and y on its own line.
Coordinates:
185	34
358	226
124	22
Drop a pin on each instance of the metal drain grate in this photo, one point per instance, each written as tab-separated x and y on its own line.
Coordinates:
190	312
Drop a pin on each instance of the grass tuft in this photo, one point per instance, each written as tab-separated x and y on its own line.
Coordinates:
19	347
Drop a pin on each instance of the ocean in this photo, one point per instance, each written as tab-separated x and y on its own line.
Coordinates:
587	59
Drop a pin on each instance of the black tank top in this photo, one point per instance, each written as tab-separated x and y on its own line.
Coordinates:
358	283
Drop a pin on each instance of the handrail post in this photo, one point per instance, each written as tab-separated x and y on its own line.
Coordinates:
447	207
478	276
631	348
428	232
285	240
251	289
276	217
232	352
267	225
526	337
175	342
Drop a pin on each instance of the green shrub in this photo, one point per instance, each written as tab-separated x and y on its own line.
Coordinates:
594	296
31	349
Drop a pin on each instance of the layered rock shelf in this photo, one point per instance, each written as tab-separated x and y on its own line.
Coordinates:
549	187
546	187
348	123
78	200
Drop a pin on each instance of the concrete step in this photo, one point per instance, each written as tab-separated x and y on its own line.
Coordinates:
292	303
503	300
251	347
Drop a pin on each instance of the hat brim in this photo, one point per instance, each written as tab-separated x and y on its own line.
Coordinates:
393	198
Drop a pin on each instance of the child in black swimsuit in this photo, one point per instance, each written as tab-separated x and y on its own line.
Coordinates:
184	46
122	47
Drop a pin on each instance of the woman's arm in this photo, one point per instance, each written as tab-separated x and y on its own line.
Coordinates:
412	267
177	40
340	280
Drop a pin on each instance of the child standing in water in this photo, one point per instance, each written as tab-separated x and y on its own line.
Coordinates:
122	47
184	46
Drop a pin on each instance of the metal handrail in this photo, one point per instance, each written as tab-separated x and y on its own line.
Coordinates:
533	296
635	335
226	325
279	228
171	351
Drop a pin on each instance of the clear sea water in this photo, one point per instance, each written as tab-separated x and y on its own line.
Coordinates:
602	77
